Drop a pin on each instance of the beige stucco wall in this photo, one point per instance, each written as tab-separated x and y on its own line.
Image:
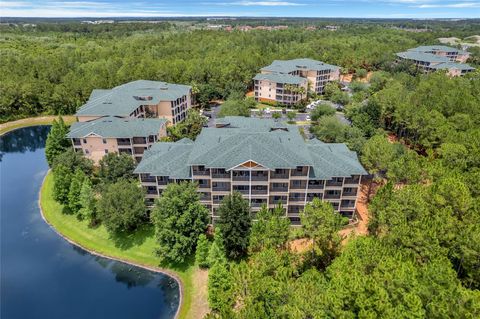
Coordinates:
267	89
462	58
96	148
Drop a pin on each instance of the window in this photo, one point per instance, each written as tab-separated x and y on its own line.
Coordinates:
84	141
104	140
106	151
87	152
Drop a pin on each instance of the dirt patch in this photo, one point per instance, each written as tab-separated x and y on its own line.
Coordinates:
199	306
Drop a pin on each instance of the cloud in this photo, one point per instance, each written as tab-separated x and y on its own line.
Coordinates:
259	3
449	5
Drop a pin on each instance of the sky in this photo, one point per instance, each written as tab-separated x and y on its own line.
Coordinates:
419	9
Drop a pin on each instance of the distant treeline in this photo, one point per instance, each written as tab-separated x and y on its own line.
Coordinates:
52	67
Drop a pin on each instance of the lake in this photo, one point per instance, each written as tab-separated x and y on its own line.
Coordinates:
42	275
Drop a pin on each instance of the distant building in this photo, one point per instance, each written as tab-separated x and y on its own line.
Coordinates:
128	118
105	135
440	57
139	99
268	162
288	82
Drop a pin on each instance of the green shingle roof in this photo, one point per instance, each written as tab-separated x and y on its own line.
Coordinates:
250	139
430	48
281	78
287	66
124	99
424	57
114	127
452	65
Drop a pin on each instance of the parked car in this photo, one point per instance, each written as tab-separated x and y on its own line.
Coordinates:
307	118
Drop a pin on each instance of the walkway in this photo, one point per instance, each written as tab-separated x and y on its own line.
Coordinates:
32	121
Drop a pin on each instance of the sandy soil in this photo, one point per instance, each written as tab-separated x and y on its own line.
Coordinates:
199	306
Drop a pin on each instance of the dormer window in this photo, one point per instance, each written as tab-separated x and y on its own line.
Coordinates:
143	98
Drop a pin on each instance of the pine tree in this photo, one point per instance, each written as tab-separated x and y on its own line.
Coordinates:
62	178
56	142
235	223
74	191
87	201
216	253
201	254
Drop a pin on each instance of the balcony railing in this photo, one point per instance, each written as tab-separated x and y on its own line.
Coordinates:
279	189
204	185
353	193
315	186
148	179
151	191
241	191
240	178
259	191
296	199
257	204
278	176
298	186
139	140
162	181
352	180
220	189
331	196
221	175
123	142
201	172
259	178
299	173
334	183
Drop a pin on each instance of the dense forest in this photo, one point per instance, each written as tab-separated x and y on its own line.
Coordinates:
417	135
52	67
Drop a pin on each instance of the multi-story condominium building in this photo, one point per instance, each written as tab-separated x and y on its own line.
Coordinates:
113	134
266	161
282	88
317	74
147	99
454	55
432	58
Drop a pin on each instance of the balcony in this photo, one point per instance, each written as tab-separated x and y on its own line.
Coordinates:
331	195
296	185
347	204
77	142
257	203
123	142
296	199
204	185
316	185
139	140
259	191
279	176
335	182
259	177
279	189
146	178
151	190
240	176
311	196
349	192
299	171
242	189
162	181
205	172
220	189
352	180
278	200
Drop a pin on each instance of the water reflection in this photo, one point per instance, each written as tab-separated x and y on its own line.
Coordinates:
44	276
23	140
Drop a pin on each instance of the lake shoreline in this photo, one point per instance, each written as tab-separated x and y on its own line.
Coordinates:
167	272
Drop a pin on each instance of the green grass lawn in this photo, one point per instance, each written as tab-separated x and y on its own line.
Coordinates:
138	248
33	121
